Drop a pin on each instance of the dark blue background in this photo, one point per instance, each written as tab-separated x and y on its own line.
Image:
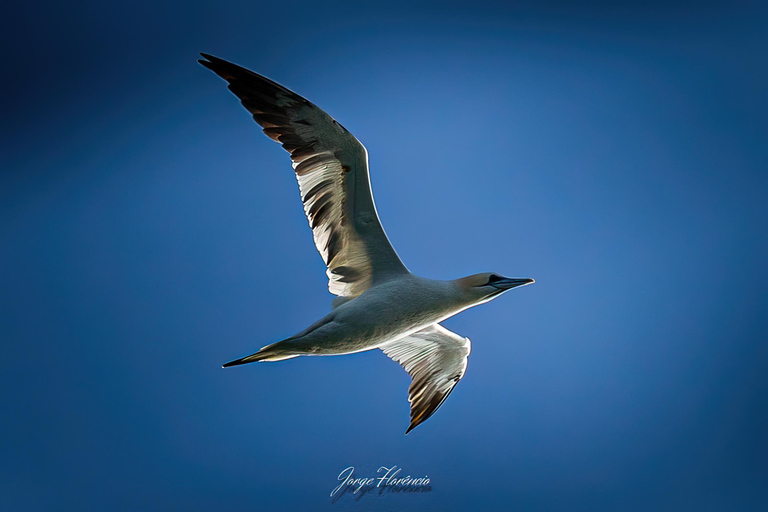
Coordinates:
149	232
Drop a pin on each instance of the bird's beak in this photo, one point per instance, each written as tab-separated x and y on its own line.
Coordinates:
508	283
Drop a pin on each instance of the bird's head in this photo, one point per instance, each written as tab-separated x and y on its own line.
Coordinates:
480	288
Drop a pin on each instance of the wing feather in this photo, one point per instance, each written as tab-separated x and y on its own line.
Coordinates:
436	360
331	166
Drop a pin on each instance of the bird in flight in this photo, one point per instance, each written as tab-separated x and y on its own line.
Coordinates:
378	303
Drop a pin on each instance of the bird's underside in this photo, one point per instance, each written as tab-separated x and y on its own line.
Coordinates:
434	357
331	167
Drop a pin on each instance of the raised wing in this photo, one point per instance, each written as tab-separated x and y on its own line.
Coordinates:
436	360
331	167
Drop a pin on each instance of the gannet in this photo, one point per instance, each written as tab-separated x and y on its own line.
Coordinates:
379	304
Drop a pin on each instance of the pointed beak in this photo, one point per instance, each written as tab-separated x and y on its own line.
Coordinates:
508	283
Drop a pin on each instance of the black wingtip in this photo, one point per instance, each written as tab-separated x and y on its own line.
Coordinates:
213	61
236	362
208	63
210	57
223	68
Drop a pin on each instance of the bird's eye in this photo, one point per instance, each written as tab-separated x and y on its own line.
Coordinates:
493	278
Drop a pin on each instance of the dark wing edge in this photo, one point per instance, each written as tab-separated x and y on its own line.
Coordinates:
436	359
331	166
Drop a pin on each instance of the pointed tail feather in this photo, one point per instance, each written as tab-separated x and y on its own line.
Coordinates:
272	352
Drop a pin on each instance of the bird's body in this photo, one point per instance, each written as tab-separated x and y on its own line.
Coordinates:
379	303
382	314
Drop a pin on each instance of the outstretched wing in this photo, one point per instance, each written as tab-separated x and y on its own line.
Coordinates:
436	360
331	167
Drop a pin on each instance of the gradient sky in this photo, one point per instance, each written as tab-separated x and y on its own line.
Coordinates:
149	232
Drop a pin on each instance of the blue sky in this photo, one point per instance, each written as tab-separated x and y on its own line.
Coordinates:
149	232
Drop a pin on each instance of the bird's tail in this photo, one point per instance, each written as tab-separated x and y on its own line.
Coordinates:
274	352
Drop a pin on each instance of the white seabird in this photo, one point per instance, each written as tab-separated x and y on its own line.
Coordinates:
379	303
